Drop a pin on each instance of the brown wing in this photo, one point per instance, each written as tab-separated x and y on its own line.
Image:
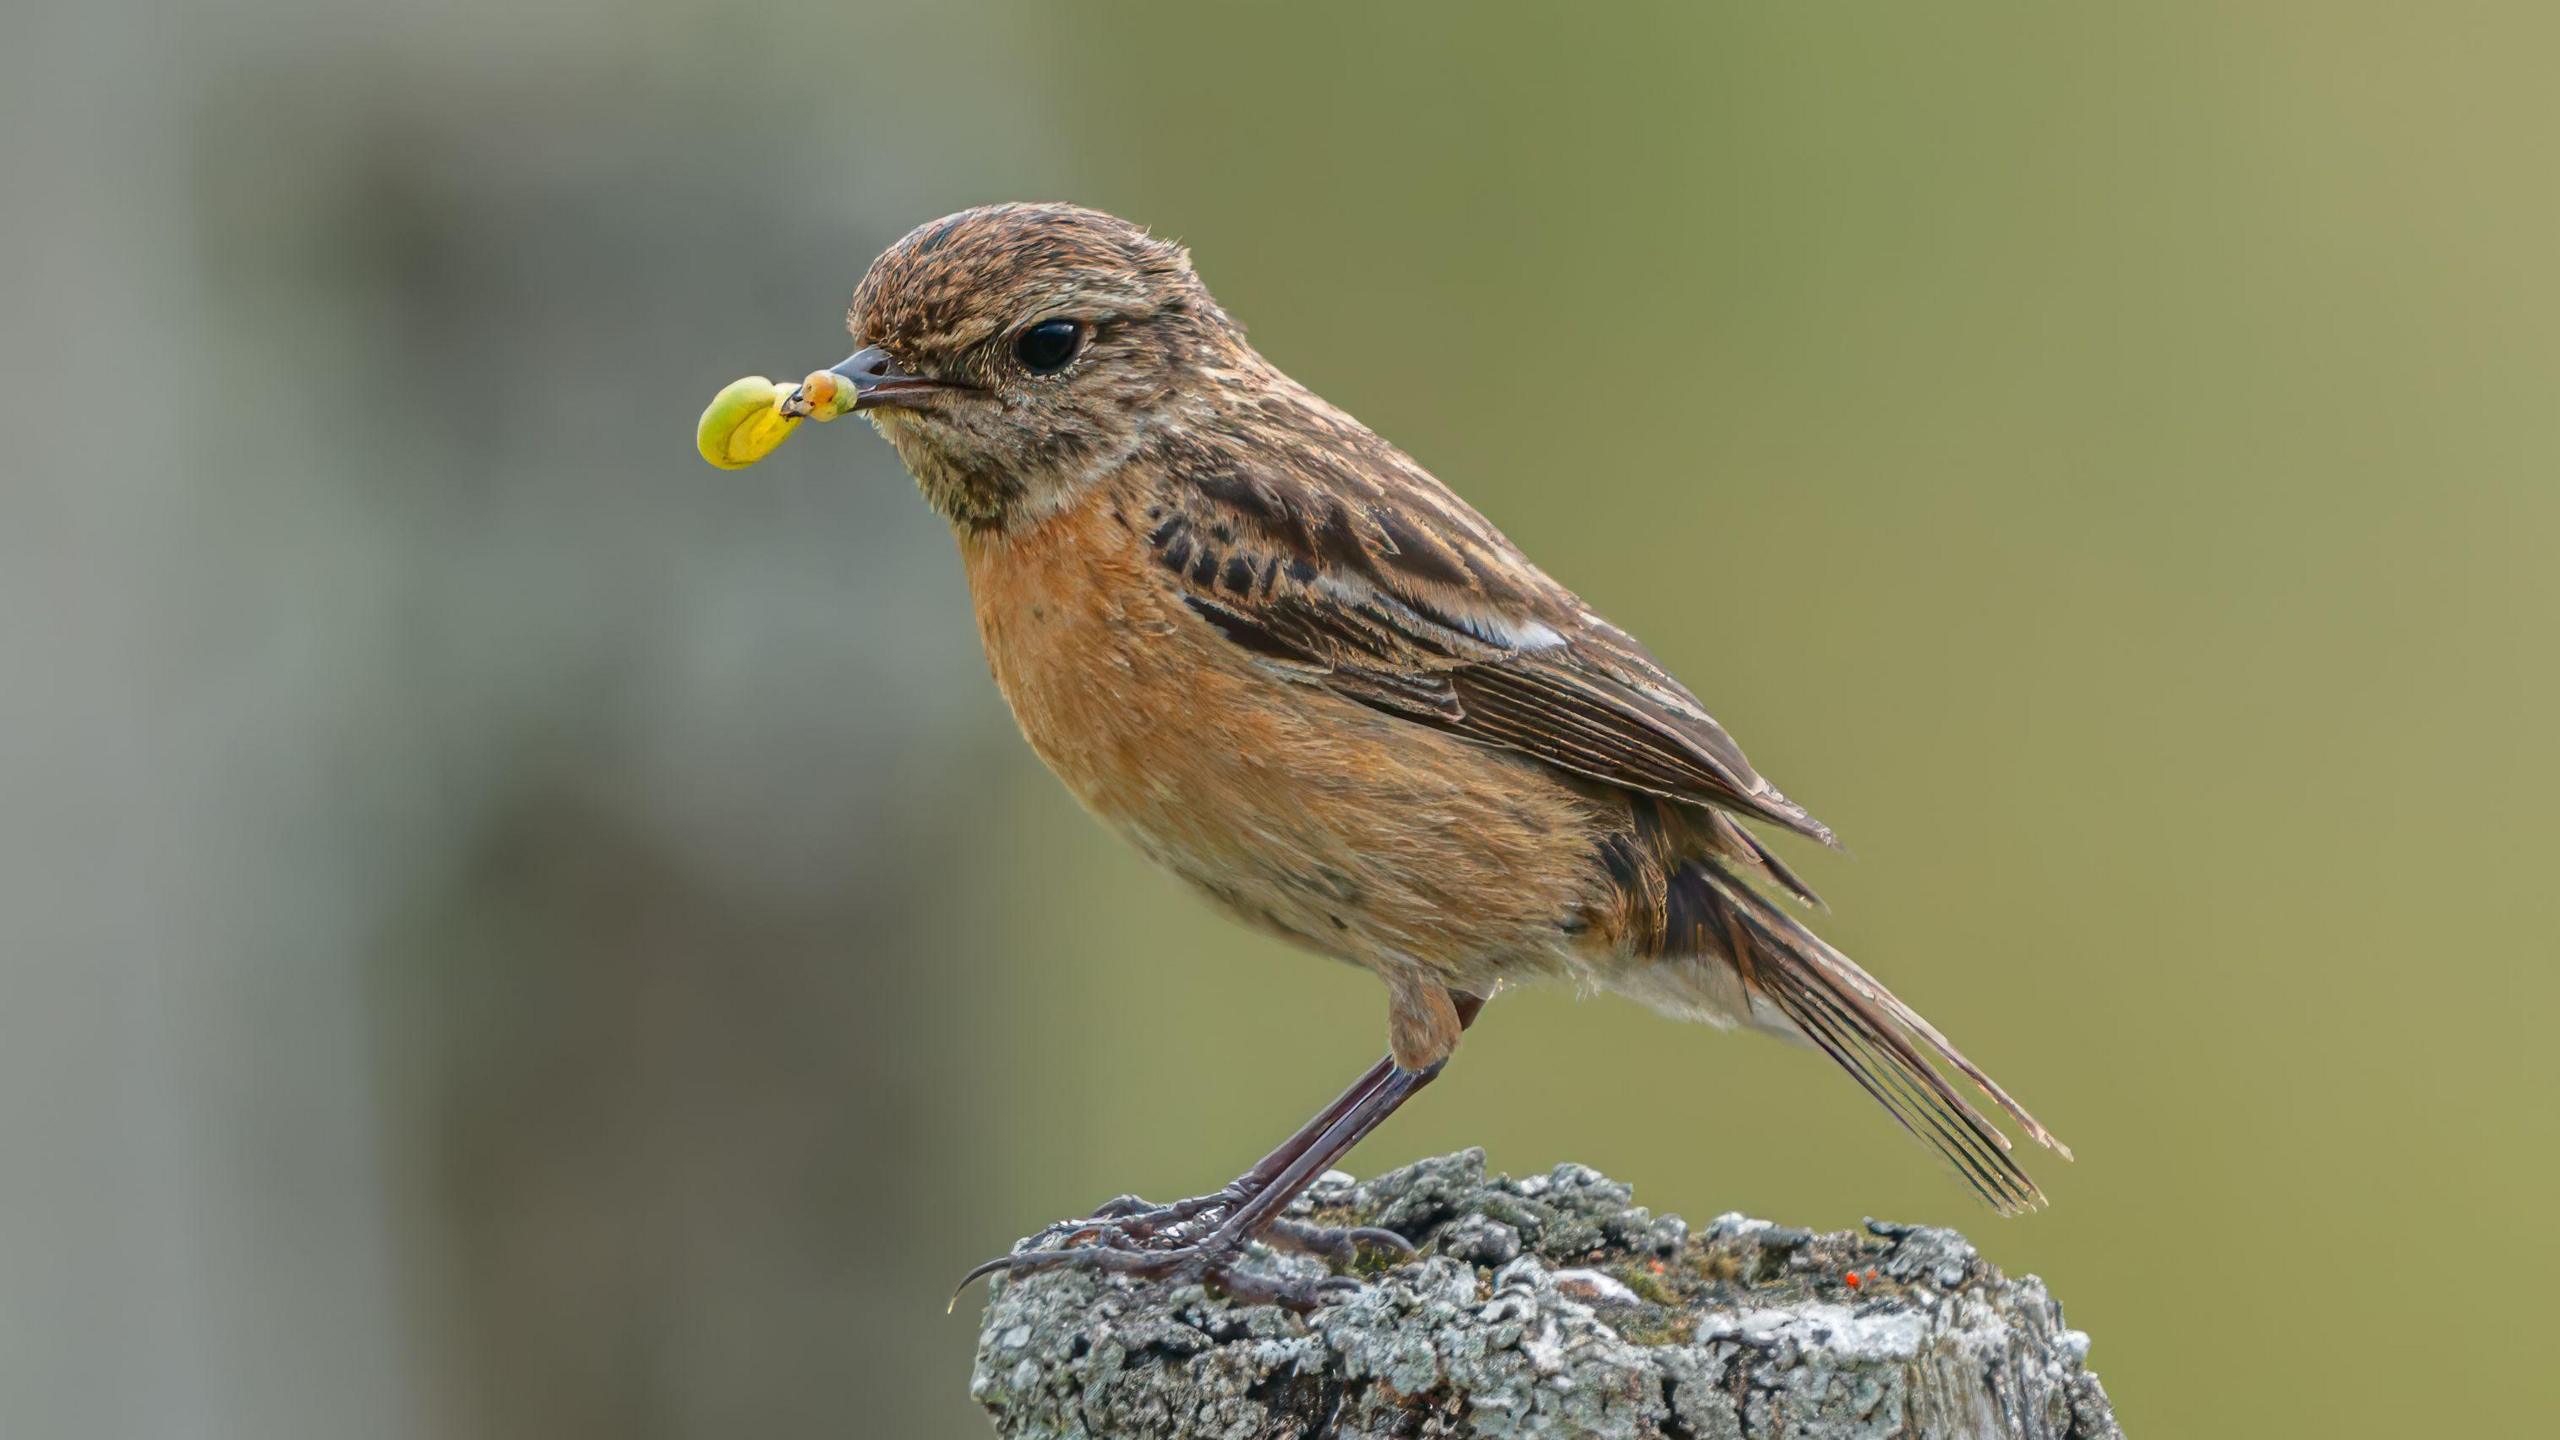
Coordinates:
1332	557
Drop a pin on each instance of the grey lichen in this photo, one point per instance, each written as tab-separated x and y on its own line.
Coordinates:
1551	1305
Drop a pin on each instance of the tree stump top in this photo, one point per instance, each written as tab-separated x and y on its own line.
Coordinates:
1551	1305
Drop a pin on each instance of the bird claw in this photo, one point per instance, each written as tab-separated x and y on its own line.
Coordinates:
1137	1219
1212	1264
1382	1238
1341	1245
1127	1236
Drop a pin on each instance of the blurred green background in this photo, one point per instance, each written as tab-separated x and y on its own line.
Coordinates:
509	932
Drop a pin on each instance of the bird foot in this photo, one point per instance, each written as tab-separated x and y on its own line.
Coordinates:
1131	1222
1133	1218
1196	1240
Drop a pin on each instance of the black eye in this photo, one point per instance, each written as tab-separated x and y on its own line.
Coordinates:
1045	348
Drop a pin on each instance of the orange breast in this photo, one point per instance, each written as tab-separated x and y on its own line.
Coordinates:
1359	835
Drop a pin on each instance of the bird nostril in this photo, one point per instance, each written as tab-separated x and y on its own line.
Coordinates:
868	363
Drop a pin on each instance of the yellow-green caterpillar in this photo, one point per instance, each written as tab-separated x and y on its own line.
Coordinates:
750	418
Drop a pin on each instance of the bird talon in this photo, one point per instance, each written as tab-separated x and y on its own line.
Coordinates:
1209	1260
1378	1237
977	1272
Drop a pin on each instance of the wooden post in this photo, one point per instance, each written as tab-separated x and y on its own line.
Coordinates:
1552	1306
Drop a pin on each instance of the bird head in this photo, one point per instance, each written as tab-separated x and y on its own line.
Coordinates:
1013	353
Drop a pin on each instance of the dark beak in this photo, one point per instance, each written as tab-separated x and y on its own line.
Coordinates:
878	382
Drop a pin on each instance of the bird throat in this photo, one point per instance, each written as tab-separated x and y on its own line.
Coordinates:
963	489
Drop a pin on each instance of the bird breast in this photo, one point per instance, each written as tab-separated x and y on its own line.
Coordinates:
1357	834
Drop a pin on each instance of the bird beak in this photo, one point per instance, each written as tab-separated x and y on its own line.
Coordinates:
878	383
865	380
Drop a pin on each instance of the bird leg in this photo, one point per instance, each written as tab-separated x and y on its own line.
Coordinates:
1138	1220
1130	1237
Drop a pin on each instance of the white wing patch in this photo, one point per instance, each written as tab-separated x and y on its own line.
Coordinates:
1511	634
1500	631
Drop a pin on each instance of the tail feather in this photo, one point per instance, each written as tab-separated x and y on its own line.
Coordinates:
1737	843
1989	1170
1864	1028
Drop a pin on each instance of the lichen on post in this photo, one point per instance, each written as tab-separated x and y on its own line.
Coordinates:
1551	1305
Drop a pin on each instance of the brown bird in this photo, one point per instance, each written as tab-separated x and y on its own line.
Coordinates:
1304	676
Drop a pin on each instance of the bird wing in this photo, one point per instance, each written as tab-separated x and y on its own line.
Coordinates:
1332	558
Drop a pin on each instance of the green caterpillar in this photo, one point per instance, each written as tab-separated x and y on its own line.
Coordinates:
750	418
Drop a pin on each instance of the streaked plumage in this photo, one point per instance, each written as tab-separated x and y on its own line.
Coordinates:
1306	677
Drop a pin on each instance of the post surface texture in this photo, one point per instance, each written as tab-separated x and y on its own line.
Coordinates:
1551	1306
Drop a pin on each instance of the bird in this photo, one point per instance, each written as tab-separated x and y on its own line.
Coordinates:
1301	674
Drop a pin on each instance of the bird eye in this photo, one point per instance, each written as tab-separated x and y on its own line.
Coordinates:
1045	348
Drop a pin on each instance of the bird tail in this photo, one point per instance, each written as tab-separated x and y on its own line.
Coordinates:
1797	983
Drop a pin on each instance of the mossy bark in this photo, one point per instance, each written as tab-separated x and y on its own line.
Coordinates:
1552	1306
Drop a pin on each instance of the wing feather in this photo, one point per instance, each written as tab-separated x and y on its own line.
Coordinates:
1362	573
